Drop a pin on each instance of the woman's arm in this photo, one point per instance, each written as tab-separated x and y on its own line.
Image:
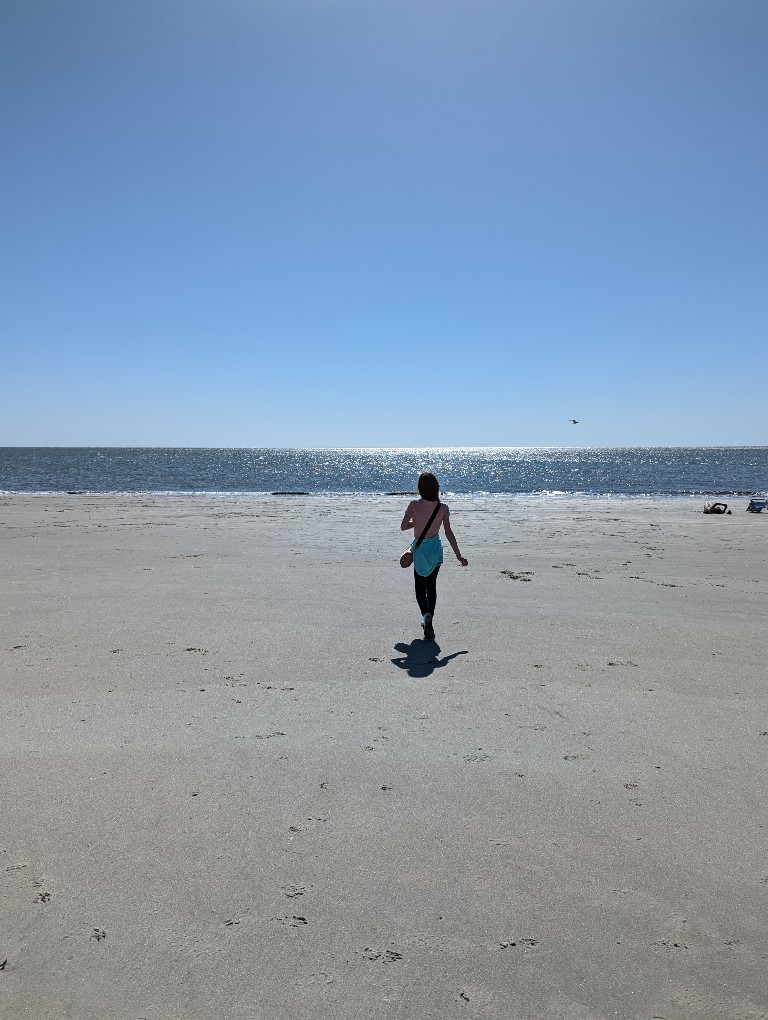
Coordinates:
454	544
407	521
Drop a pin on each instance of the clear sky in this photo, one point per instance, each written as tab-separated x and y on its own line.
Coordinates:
384	222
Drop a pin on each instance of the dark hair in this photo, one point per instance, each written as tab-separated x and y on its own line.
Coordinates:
429	487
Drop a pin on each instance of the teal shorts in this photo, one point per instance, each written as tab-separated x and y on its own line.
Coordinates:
428	555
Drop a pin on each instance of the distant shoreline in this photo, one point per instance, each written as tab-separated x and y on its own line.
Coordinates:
397	449
555	497
492	472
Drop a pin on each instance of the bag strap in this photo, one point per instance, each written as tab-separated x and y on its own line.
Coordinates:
429	525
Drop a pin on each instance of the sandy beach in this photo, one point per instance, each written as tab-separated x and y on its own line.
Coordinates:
237	784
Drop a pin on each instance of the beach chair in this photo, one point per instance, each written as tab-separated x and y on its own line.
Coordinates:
756	505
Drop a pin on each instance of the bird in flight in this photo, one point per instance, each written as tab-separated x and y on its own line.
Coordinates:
574	421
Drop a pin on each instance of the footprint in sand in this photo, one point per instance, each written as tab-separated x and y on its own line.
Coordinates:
294	921
292	891
668	944
321	977
385	955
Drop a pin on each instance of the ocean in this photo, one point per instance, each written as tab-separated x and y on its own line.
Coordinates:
652	471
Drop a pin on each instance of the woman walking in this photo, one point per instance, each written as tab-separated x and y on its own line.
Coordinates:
426	516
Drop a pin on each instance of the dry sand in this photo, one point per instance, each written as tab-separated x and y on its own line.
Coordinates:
237	784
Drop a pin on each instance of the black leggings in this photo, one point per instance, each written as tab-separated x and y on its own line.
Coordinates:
426	591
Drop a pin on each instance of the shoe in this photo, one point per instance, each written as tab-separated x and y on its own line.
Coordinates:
429	633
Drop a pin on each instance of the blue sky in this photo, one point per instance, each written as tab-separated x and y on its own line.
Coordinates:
369	223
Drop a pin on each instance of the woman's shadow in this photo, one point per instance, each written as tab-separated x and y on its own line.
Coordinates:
421	657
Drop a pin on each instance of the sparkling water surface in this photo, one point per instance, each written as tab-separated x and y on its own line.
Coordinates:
665	471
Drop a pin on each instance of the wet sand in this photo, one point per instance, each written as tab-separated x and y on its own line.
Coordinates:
237	784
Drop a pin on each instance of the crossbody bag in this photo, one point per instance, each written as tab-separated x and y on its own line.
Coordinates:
407	558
